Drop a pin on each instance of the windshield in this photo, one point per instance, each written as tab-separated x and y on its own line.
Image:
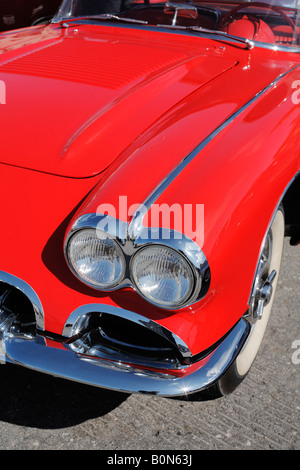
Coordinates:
274	23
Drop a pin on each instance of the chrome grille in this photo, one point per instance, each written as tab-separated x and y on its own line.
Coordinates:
101	333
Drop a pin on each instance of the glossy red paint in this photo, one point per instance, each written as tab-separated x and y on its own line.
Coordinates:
125	79
85	130
228	177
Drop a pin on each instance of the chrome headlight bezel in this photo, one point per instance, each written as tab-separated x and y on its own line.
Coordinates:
185	248
167	252
87	223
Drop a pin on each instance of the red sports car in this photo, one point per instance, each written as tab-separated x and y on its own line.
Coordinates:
22	13
150	169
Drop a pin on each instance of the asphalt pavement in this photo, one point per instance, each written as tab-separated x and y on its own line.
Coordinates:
40	412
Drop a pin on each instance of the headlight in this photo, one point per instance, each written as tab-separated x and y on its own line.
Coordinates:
162	276
96	258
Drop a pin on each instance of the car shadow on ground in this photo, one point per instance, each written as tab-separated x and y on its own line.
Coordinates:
29	398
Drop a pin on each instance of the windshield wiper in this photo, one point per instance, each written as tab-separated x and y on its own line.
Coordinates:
249	44
104	17
111	17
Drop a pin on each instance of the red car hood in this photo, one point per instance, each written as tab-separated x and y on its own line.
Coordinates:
75	99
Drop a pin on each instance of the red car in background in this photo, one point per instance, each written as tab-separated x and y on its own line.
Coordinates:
150	169
21	13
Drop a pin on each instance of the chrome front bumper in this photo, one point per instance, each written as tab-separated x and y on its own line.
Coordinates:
108	364
61	362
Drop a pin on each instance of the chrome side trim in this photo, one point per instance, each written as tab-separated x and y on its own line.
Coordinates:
135	235
71	326
137	219
30	294
122	377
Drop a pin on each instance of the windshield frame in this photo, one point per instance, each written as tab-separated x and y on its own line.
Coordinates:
63	16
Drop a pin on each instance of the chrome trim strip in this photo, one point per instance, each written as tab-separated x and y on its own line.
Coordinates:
121	377
29	292
69	329
136	235
231	40
136	221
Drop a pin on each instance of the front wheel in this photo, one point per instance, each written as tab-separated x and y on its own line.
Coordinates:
262	296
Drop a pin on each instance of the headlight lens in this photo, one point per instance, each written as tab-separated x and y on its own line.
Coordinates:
163	276
96	258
